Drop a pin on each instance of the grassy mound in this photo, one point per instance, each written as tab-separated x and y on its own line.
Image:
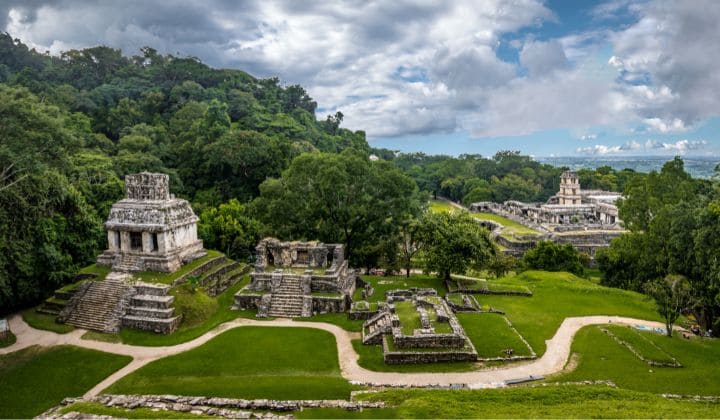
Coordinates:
601	357
248	362
35	379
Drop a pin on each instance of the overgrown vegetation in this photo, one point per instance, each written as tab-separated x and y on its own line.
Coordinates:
675	230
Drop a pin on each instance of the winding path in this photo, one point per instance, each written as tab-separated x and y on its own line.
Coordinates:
553	361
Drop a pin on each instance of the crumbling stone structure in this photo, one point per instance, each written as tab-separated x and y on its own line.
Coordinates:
570	206
588	219
427	344
150	230
298	279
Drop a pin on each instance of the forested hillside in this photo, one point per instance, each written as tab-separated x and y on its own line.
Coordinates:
74	125
508	175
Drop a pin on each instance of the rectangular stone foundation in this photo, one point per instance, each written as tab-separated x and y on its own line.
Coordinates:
414	357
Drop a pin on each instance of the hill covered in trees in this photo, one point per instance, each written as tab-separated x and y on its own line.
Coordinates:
74	125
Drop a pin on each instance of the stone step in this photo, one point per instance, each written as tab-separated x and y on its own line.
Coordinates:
100	306
47	311
152	301
285	314
150	312
157	325
151	289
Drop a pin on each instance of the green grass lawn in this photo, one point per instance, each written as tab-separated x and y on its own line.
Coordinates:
593	274
339	319
371	358
509	225
603	358
441	206
641	343
45	322
339	413
491	335
539	402
557	296
381	284
35	379
409	316
9	340
248	362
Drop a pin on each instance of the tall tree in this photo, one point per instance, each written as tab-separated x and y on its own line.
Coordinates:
454	242
338	198
672	297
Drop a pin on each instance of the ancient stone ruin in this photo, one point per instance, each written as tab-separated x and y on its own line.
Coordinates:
417	326
150	230
588	219
298	279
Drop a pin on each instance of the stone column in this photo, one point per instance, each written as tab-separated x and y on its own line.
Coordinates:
112	240
162	246
125	241
147	242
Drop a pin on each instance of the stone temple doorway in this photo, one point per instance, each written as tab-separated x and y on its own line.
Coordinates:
136	241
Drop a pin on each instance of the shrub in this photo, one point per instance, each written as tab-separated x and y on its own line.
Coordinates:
550	256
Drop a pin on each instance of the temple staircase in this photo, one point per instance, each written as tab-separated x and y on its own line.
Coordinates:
99	305
375	327
151	309
127	263
287	298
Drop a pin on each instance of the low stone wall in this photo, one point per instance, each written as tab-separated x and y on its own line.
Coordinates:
323	285
428	341
455	287
156	325
213	406
323	305
362	315
246	301
200	269
393	358
515	245
414	357
218	282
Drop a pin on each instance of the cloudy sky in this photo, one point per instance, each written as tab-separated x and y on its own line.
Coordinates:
546	77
